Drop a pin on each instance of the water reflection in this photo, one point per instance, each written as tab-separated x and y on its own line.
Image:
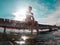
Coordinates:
43	39
48	38
20	42
40	39
24	37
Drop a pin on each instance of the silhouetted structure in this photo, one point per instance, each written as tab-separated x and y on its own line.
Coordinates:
13	24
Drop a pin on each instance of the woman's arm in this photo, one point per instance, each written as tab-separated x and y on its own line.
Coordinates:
33	18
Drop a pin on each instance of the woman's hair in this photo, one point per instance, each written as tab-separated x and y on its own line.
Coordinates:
30	7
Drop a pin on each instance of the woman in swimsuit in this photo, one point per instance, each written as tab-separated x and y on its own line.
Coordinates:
29	15
30	21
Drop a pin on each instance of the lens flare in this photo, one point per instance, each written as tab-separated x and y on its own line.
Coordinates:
20	15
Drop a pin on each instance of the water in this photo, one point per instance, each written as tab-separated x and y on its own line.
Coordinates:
51	38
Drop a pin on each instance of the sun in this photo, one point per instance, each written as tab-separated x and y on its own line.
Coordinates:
20	15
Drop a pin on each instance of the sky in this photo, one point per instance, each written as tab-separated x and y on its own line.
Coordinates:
45	11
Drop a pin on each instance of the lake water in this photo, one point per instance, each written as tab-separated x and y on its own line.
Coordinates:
51	38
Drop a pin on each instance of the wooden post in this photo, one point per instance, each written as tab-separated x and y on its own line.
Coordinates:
4	34
4	30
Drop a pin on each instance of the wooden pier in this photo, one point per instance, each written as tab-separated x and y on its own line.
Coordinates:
13	24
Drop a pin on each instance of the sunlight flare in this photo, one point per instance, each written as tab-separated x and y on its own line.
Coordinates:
20	15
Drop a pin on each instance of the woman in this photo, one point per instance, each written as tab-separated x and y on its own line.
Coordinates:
29	15
30	19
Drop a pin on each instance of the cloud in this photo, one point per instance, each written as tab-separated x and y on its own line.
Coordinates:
52	19
44	11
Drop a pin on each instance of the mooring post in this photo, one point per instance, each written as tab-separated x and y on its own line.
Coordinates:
31	31
4	30
4	33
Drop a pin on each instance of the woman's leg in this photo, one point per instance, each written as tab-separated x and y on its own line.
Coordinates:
37	27
32	27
